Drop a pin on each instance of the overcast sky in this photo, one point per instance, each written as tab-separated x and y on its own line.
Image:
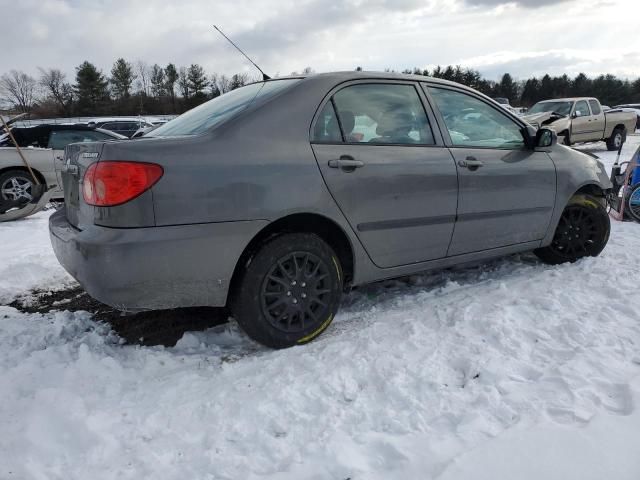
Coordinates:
523	37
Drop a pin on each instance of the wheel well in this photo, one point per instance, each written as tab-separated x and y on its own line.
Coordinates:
326	229
24	169
618	127
591	189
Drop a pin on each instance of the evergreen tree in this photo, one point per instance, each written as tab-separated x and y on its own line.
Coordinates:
507	88
121	78
183	83
545	91
171	77
90	88
530	92
157	81
238	80
197	79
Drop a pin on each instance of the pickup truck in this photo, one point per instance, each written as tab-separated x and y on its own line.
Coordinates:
582	119
43	147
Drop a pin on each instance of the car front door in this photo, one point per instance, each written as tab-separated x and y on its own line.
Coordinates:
581	130
388	170
506	190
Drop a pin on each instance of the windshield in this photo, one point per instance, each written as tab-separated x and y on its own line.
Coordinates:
563	108
221	108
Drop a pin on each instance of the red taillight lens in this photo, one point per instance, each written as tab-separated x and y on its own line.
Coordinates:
111	183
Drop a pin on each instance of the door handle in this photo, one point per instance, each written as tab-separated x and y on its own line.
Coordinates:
346	163
472	163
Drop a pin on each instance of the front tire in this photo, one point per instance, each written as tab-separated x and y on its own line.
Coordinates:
290	291
616	139
583	231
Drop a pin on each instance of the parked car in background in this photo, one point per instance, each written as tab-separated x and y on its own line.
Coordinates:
504	103
634	107
121	126
582	119
144	130
275	197
43	147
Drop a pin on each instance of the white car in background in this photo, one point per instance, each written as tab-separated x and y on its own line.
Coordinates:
43	146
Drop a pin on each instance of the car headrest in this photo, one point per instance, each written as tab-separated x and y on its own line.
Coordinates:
394	123
348	121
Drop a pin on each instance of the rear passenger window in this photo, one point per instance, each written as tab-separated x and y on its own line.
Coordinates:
595	108
382	114
326	129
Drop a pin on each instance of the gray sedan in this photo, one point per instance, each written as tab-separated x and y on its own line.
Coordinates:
276	197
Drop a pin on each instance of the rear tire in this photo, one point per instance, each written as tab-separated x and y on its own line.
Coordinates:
16	186
583	231
616	139
633	203
290	291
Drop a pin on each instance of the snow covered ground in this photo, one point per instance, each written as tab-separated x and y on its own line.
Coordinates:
506	370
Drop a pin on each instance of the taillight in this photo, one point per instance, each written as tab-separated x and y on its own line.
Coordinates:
111	183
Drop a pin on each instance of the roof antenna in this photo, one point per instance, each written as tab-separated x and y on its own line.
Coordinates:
265	77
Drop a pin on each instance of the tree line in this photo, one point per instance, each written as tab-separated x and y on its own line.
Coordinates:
130	89
609	89
140	88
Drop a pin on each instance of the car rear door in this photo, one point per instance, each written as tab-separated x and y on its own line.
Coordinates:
597	119
388	170
506	190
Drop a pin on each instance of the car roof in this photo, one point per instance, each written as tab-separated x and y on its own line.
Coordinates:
568	99
344	76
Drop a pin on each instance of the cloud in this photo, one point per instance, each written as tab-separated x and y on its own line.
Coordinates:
287	35
522	3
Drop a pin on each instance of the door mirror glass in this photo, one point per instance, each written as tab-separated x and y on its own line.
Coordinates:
546	138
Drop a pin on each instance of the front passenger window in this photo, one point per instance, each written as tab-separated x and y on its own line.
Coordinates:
473	123
582	109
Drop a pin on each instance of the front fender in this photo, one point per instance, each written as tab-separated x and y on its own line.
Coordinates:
574	171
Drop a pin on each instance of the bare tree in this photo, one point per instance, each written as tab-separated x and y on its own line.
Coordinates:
224	84
144	73
18	88
53	82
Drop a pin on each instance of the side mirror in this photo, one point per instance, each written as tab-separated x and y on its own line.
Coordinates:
576	114
546	137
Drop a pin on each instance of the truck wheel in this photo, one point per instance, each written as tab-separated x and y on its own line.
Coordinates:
583	231
633	203
15	185
566	139
289	291
615	140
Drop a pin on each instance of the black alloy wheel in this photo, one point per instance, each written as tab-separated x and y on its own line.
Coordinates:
295	293
289	290
583	231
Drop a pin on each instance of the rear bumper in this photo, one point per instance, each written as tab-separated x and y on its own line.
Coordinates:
152	268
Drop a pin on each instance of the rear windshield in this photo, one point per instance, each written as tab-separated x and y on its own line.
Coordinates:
220	109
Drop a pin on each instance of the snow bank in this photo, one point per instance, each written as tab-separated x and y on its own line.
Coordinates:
26	258
509	369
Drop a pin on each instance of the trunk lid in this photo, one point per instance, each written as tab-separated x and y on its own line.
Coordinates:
77	158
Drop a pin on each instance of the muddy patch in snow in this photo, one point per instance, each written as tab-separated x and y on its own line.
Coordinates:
160	327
